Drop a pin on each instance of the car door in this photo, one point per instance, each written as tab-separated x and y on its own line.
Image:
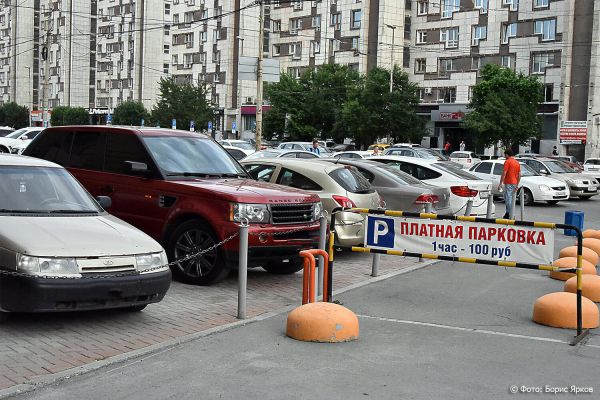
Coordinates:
86	160
135	199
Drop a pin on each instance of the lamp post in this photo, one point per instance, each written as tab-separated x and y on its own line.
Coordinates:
392	64
30	102
238	134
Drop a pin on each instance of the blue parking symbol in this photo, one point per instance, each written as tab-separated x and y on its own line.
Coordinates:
380	232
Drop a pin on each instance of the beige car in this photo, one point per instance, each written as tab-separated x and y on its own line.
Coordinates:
339	186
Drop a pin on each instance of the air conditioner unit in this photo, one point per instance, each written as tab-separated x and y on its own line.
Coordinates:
428	90
249	100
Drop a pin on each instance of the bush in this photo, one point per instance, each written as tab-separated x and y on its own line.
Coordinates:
62	116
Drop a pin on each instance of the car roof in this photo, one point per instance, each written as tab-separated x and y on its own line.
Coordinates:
462	152
14	160
414	160
541	158
140	131
299	164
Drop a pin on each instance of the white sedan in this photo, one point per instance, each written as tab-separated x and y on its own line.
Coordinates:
246	147
353	155
537	188
591	166
18	140
465	158
463	185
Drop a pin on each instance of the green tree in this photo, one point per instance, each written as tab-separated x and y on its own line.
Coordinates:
372	111
504	108
14	115
130	113
183	102
312	104
64	115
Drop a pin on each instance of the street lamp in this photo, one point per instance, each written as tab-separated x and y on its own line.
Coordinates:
392	65
239	91
29	92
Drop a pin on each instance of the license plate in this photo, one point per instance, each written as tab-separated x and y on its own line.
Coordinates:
592	188
560	193
484	195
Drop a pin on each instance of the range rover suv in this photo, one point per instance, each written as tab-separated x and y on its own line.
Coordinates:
184	190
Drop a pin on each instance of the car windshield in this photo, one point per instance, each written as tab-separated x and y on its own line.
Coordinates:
526	170
42	190
17	133
459	155
398	176
431	154
593	161
559	167
191	156
461	173
243	145
262	154
351	180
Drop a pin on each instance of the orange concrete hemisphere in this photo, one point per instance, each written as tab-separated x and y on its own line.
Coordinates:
559	310
322	322
571	262
588	254
593	244
590	286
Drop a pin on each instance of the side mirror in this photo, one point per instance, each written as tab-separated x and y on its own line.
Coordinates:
544	172
24	137
104	201
137	168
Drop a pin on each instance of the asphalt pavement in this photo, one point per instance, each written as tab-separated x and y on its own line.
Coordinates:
444	331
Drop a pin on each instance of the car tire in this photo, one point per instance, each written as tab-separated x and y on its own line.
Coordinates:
284	268
135	308
527	197
191	237
4	150
552	202
585	197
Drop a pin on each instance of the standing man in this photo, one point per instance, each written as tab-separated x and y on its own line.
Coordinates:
447	147
462	145
377	151
315	147
511	176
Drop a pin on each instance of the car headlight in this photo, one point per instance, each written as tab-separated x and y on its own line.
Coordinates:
571	182
146	263
47	266
254	213
317	210
545	188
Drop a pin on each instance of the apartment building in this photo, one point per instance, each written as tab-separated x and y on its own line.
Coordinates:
453	39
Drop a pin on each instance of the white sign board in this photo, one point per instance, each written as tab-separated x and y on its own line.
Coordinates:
521	244
247	69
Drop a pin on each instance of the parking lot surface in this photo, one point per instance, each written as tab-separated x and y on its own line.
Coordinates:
446	331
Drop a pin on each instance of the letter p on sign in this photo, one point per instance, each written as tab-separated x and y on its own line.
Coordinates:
380	232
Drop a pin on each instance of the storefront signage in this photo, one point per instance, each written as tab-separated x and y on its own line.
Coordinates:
573	132
454	116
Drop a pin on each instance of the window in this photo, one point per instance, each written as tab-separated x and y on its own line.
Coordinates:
295	49
450	38
297	180
508	31
316	21
447	95
446	64
475	63
276	49
175	59
356	17
546	28
482	5
498	168
351	180
276	25
540	3
295	25
479	33
514	4
203	36
449	7
336	21
166	49
354	43
422	7
417	171
54	147
421	37
484	168
122	148
315	47
548	92
297	4
88	151
505	61
540	62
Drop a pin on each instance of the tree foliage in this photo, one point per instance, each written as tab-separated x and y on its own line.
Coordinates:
130	113
14	115
63	115
336	102
504	108
183	102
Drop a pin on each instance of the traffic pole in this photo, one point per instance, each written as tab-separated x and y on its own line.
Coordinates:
243	271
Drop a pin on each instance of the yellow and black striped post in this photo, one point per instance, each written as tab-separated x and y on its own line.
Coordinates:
498	221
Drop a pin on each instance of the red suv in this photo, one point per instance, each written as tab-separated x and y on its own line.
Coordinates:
188	193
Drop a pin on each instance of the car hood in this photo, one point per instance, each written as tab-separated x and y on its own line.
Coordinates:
569	176
249	191
543	180
10	141
73	236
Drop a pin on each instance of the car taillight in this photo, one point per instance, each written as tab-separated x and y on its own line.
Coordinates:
263	147
427	198
463	191
344	201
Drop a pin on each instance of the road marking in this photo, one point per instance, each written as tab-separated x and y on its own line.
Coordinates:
473	330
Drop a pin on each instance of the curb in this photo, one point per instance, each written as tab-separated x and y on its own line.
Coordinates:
50	379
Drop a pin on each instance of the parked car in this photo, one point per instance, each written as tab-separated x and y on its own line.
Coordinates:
571	161
329	144
235	152
18	140
419	152
463	185
306	146
591	166
537	188
188	193
465	158
356	155
5	130
580	185
52	230
275	153
243	145
339	186
382	146
399	190
344	147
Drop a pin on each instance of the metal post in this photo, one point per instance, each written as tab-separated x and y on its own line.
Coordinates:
469	207
392	63
329	298
259	76
513	200
375	267
322	246
522	203
428	210
243	271
490	204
